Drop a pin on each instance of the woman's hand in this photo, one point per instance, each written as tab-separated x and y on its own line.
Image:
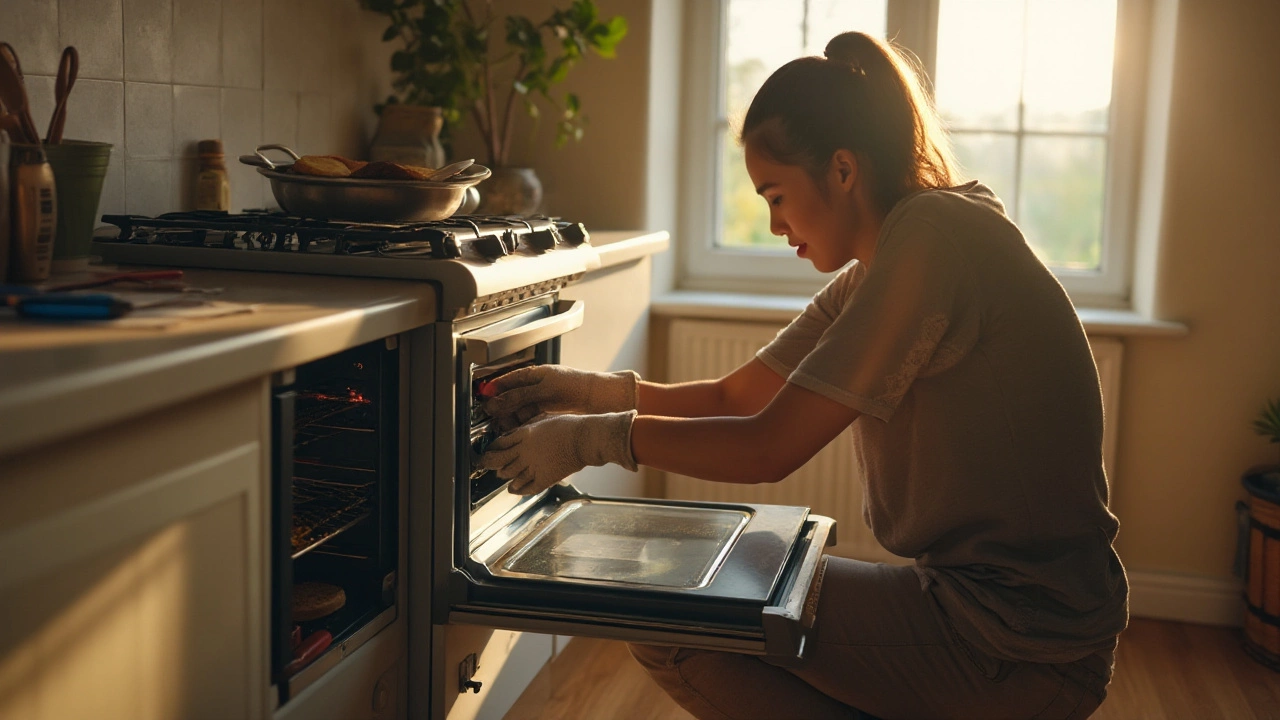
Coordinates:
544	452
521	395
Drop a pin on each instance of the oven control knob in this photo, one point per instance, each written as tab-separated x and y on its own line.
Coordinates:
541	240
573	233
490	247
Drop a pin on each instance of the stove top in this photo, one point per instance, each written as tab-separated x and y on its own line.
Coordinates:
479	261
488	236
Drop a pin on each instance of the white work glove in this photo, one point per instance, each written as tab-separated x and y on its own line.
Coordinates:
544	452
521	395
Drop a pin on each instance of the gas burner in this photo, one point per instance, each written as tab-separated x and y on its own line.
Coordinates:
488	237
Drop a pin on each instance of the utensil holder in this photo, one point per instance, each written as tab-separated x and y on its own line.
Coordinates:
79	166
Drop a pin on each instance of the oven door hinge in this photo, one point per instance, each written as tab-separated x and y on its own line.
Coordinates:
466	672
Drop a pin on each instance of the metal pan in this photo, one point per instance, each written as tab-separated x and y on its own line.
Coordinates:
362	200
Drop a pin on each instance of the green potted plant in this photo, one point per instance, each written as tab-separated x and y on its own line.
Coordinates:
476	63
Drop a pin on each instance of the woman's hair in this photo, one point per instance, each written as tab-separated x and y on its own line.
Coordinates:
863	96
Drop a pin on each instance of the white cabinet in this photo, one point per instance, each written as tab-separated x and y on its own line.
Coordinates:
133	582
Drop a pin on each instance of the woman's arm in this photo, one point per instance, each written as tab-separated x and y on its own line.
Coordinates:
745	391
766	446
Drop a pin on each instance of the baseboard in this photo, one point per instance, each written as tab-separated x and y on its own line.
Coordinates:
1186	598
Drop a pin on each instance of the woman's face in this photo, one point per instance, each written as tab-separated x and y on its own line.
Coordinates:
828	229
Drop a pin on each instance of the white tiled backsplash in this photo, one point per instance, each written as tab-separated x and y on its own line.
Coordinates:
156	76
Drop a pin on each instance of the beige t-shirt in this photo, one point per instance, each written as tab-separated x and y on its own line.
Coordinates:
980	439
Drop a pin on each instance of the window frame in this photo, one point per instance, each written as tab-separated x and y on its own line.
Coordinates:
912	23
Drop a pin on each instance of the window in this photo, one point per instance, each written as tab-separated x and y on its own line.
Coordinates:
1038	103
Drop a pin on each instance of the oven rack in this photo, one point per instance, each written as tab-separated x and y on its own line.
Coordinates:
314	407
324	509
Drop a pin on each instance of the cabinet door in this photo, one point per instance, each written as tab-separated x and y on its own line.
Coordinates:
132	583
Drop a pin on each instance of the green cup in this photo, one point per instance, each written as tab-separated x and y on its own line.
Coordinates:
79	167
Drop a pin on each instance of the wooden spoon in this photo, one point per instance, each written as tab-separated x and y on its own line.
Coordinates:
14	96
68	68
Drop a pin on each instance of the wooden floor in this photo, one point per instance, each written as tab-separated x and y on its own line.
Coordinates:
1164	670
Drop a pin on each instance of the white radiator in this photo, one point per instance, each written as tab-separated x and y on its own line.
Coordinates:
829	482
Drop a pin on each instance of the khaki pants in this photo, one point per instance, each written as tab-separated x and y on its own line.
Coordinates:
883	649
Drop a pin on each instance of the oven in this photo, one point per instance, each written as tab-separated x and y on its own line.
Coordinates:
736	577
337	476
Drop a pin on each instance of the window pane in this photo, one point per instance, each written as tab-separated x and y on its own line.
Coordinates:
990	158
828	18
1061	200
979	63
744	216
762	36
1070	47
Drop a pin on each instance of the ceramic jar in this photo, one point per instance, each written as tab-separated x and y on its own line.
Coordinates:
510	191
409	135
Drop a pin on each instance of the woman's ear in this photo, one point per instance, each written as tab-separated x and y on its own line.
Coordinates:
844	169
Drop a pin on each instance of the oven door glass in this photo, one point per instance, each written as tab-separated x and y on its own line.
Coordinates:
720	576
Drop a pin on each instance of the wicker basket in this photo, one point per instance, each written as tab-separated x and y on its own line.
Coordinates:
1262	577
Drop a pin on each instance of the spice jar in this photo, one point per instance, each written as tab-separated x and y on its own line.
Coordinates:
213	191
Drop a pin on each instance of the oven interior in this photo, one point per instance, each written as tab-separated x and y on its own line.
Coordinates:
483	485
335	500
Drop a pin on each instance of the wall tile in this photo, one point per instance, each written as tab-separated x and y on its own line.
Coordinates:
31	27
148	120
94	27
187	168
313	42
242	132
315	125
242	43
197	48
149	186
95	111
197	115
148	40
112	201
280	118
282	59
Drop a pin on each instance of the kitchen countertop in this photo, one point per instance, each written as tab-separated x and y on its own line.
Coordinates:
60	379
619	246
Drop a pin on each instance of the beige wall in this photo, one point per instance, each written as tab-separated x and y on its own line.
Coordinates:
1188	402
156	76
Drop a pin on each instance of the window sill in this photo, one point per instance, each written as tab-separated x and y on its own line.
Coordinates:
749	307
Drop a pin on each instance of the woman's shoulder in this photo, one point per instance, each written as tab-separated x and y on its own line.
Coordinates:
951	203
945	213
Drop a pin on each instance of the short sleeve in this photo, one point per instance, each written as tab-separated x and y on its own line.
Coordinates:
795	341
916	314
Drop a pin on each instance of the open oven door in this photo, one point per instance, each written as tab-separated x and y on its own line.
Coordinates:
734	577
741	578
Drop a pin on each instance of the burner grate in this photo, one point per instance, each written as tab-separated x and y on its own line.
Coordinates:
487	236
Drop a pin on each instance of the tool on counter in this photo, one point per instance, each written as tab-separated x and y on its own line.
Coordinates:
68	69
31	303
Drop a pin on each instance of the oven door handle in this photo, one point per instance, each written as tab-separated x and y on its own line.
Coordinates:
487	348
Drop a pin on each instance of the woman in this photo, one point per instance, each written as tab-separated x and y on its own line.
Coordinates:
965	374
